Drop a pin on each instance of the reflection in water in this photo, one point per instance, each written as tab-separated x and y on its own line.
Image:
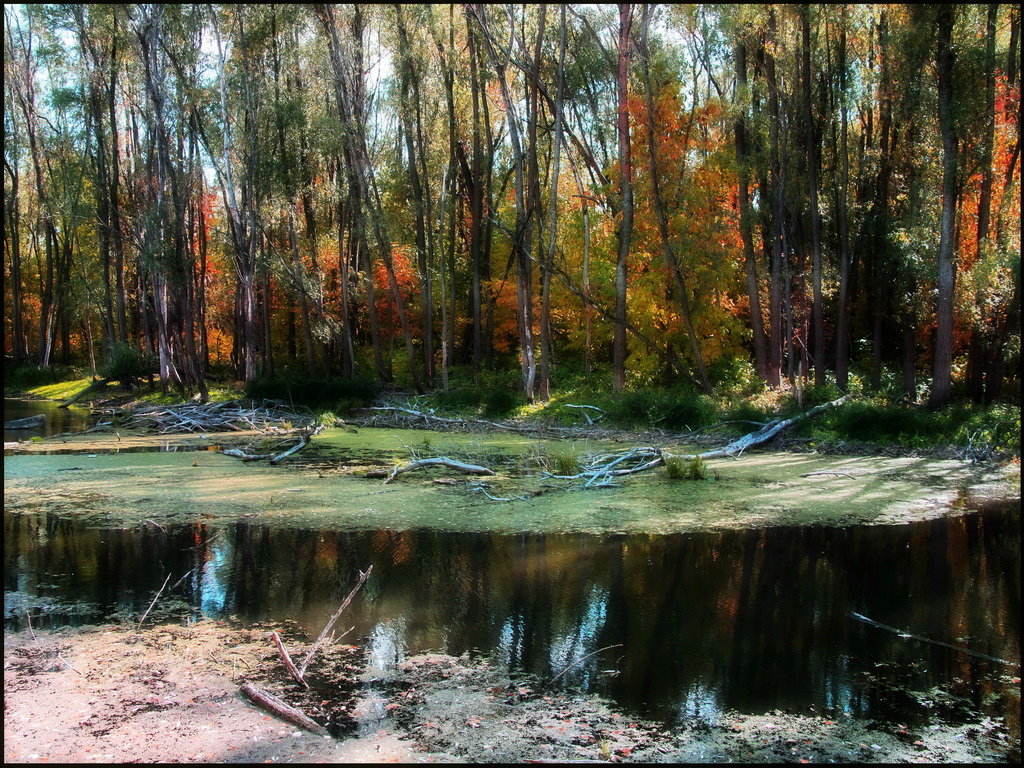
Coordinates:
751	620
58	419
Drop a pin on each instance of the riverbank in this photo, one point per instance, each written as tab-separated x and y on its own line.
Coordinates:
170	693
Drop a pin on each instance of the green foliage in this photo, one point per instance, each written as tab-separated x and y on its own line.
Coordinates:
499	402
336	394
25	377
127	364
996	427
671	409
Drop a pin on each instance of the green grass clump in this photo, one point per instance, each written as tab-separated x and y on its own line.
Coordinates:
563	459
679	468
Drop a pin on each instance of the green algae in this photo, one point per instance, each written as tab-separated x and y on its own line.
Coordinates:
329	491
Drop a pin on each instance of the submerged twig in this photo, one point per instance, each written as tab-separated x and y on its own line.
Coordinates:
909	636
584	658
157	597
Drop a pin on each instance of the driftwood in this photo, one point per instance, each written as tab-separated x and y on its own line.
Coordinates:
288	663
275	706
29	422
226	416
437	461
599	469
83	392
909	636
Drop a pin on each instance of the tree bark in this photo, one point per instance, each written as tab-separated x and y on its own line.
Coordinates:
941	391
625	228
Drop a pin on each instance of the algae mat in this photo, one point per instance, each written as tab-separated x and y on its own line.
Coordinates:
328	491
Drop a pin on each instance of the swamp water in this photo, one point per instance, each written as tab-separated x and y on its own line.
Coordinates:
675	601
57	419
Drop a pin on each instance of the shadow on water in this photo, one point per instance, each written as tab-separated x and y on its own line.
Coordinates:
751	620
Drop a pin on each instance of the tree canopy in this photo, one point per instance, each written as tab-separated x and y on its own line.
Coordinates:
643	193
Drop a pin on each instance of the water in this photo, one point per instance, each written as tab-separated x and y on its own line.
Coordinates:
58	420
751	620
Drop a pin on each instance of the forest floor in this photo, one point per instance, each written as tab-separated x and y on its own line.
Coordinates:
171	693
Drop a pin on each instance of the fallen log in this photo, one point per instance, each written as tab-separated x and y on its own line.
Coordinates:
305	440
607	466
437	461
288	663
29	422
275	706
83	392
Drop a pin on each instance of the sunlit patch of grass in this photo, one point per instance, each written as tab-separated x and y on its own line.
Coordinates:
62	390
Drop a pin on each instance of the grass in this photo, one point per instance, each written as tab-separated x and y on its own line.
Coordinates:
679	468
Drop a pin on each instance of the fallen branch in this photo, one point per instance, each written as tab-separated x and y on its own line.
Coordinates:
824	472
909	636
63	661
606	466
83	392
306	439
437	461
285	711
363	576
157	597
584	658
288	663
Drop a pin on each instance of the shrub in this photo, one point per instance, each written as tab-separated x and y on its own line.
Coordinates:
499	402
336	394
127	364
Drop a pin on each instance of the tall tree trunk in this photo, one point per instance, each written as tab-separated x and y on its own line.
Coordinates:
842	215
746	222
625	228
546	352
409	79
942	371
776	219
812	184
979	344
521	237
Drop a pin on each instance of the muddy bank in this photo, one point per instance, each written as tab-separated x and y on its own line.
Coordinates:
170	693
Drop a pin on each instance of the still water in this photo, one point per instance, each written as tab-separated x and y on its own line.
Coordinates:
751	620
57	419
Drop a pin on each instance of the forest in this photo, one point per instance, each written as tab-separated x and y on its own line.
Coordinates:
423	195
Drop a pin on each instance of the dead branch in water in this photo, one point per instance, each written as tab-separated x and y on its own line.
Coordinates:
601	468
363	576
288	663
155	598
285	711
437	461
